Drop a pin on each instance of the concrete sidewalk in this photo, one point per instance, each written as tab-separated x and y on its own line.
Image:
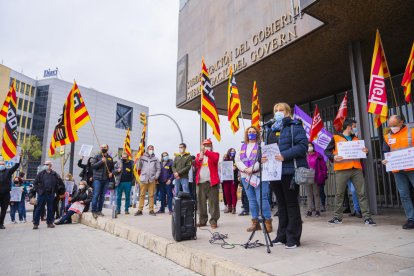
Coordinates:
351	248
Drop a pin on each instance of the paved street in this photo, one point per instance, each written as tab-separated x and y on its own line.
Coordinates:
76	250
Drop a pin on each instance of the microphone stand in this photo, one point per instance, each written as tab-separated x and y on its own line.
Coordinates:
261	219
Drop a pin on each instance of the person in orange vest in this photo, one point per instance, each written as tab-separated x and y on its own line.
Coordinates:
400	137
345	170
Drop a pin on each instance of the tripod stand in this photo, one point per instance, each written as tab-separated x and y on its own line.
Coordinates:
261	219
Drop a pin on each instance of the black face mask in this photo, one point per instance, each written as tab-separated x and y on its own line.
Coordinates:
16	182
104	150
124	159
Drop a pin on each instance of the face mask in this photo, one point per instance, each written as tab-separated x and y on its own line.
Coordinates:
395	129
207	148
81	187
354	130
150	152
180	150
165	158
124	159
45	167
232	154
2	167
16	182
252	136
310	149
104	150
67	179
279	115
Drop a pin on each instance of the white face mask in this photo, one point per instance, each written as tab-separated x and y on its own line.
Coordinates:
395	129
81	187
310	149
207	148
150	152
180	150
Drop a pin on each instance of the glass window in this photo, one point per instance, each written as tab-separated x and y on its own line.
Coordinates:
20	105
30	107
22	85
32	92
29	123
11	81
17	85
123	117
27	89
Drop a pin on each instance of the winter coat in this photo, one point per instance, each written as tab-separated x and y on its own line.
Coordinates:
100	170
5	179
87	172
150	168
166	171
213	159
57	187
84	195
182	164
127	172
299	149
321	171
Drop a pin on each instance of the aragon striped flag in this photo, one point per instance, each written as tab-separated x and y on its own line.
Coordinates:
233	104
408	76
5	107
208	104
255	107
65	130
9	143
140	152
81	113
127	144
377	99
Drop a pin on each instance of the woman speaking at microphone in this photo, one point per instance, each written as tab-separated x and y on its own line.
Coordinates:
293	144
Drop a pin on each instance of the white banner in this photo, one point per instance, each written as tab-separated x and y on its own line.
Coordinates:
227	172
400	159
352	149
272	169
16	194
85	150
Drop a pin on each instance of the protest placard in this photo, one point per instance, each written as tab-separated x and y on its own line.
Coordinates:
352	149
272	169
400	159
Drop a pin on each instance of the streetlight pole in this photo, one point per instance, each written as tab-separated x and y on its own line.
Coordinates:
168	116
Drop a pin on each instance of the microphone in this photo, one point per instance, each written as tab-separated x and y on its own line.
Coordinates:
269	123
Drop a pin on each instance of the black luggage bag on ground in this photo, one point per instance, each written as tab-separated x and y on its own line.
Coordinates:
184	219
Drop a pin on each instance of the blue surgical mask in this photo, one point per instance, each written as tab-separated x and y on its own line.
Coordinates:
279	115
2	167
232	153
166	158
354	130
252	136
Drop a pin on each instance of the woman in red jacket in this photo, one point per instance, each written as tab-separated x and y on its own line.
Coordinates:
208	181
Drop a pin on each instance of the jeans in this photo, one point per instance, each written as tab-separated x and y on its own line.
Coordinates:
20	208
322	195
126	188
166	193
98	197
253	194
354	197
182	182
135	193
4	204
67	217
290	222
403	181
42	200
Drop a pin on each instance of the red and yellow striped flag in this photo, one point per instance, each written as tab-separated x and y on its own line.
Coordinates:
5	107
81	113
377	99
233	103
127	144
255	107
65	130
140	152
408	76
9	143
208	104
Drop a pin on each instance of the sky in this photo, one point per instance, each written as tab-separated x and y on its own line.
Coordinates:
125	48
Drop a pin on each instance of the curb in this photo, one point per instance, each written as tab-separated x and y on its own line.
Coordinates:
193	259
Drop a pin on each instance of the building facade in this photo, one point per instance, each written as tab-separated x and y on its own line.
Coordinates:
303	52
40	103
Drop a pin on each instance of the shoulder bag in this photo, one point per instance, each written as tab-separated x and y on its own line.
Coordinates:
303	176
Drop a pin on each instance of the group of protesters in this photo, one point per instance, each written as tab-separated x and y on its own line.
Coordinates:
162	178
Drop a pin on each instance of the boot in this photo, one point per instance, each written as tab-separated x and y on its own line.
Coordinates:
269	227
227	210
255	226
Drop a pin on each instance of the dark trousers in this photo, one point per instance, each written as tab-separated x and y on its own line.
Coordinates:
322	195
42	200
245	200
67	218
98	196
4	204
166	194
290	221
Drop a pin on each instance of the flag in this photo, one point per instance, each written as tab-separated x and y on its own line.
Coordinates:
342	113
9	143
81	113
255	107
408	76
377	99
127	145
140	152
233	104
5	107
316	126
65	129
208	104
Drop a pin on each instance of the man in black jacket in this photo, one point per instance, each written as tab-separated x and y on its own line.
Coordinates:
5	188
47	184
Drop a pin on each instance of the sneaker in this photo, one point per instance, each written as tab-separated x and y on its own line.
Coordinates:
152	213
118	212
126	212
2	226
160	212
94	215
317	214
138	213
50	225
291	246
335	220
100	214
408	225
370	221
276	241
309	213
244	213
35	226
